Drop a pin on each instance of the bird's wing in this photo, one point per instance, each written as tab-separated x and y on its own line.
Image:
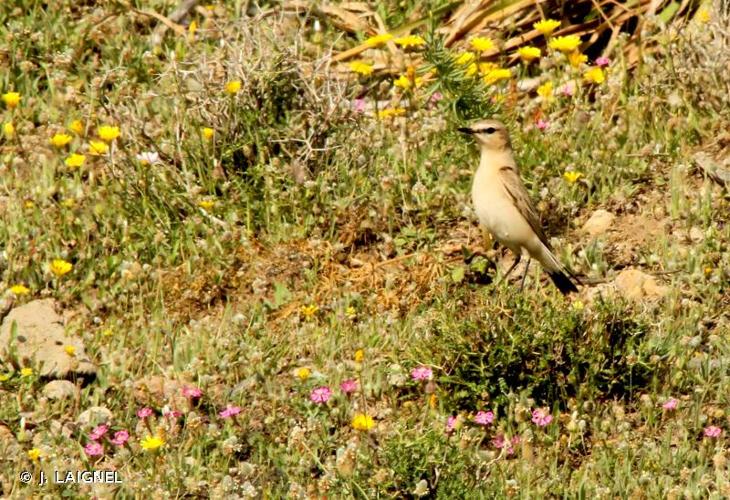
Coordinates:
516	190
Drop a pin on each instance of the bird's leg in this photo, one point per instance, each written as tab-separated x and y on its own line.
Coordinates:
512	267
527	266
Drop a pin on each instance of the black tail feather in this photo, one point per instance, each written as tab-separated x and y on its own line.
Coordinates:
563	282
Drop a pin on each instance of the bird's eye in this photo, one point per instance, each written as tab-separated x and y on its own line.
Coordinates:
490	130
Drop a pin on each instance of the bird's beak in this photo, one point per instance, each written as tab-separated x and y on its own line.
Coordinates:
465	130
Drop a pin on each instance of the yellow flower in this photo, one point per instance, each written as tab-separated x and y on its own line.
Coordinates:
309	311
546	26
529	53
77	127
595	75
376	40
207	132
386	113
403	82
26	372
496	75
359	356
60	140
465	58
708	270
206	204
192	28
59	267
576	58
11	99
703	15
545	90
432	400
361	68
233	86
5	377
70	350
350	312
577	305
28	204
481	44
486	67
107	133
565	44
151	443
8	130
472	69
34	454
410	41
74	161
572	176
98	148
362	422
303	373
68	203
20	289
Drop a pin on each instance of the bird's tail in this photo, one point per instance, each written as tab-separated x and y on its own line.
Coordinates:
563	282
561	276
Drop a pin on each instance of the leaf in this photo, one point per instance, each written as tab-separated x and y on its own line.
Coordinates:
479	265
457	274
282	295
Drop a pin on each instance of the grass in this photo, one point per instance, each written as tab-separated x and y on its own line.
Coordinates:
305	234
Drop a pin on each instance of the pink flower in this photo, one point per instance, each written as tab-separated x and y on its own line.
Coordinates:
670	404
500	442
359	105
171	414
94	449
230	411
320	395
568	90
541	417
541	124
603	61
450	423
348	386
191	392
712	431
422	373
120	437
98	432
436	97
144	412
484	417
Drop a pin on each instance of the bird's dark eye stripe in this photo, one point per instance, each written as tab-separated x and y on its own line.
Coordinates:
488	130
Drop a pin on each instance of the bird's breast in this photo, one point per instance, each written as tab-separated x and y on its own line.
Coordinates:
496	211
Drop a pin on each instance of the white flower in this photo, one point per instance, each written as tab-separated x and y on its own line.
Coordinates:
148	158
421	488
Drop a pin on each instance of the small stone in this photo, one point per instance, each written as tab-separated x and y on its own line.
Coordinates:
8	444
635	285
157	390
60	389
598	223
38	336
696	234
94	416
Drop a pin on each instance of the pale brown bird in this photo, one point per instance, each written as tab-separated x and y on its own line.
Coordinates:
503	205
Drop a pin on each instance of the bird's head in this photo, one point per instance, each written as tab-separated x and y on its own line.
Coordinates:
491	135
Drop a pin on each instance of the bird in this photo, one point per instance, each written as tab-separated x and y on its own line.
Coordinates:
504	207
